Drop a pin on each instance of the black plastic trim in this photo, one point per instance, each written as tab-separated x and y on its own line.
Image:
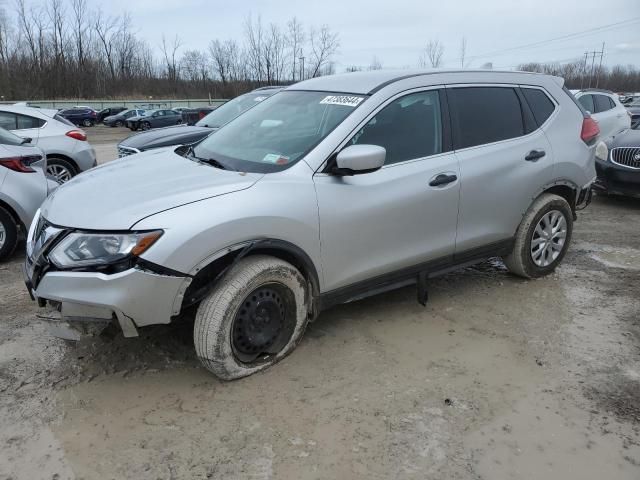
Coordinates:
409	275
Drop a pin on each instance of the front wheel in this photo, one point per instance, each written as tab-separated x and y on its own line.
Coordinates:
543	237
119	123
60	169
252	319
146	126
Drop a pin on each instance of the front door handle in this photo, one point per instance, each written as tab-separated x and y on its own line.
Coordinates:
442	179
535	155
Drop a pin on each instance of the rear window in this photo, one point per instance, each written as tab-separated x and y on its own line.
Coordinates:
61	119
540	104
482	115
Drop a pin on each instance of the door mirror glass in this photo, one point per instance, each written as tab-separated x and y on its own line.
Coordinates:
359	159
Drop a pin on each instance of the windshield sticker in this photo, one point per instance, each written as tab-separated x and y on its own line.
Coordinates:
276	159
259	99
346	100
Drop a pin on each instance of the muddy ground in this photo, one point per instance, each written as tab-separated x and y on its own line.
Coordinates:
497	378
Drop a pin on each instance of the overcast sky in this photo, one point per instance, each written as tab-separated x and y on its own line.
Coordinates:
395	31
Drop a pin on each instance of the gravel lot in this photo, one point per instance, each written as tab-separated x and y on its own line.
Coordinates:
497	378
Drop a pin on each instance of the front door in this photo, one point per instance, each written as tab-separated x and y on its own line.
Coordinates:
399	216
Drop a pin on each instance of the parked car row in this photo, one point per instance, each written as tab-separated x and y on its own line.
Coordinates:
65	146
606	109
191	134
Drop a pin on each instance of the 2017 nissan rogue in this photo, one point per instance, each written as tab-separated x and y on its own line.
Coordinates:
330	190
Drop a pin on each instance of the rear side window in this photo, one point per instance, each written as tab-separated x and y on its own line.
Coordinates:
483	115
408	128
612	104
25	121
8	120
602	103
540	104
587	102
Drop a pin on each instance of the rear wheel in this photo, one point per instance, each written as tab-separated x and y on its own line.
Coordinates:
543	237
8	234
60	169
119	123
87	123
146	126
253	318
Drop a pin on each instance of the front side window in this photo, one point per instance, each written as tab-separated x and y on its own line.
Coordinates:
408	128
587	102
482	115
277	132
541	106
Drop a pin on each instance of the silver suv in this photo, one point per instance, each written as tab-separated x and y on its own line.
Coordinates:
331	190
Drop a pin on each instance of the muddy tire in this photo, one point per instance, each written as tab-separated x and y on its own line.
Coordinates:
8	234
254	317
543	237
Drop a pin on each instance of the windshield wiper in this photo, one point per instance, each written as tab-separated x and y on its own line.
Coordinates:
211	161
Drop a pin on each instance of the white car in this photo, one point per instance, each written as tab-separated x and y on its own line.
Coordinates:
606	109
66	147
23	188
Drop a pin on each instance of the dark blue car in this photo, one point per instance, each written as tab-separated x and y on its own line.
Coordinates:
83	116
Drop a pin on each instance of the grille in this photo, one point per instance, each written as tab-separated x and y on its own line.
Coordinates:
124	151
626	156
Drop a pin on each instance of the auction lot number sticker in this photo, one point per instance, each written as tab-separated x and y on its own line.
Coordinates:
346	100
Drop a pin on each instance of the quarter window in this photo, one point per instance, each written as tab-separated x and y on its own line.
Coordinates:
539	103
408	128
484	115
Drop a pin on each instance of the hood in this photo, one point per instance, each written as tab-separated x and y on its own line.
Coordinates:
120	193
628	138
163	137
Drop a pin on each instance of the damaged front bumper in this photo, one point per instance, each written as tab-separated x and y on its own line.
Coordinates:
134	297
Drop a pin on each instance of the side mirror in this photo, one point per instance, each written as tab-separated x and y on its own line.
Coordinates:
356	159
27	140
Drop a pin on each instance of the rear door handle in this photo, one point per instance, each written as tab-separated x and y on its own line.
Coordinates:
442	179
534	155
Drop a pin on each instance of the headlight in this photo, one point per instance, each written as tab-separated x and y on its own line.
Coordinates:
83	249
602	151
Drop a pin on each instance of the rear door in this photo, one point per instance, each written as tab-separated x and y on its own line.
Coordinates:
505	160
384	221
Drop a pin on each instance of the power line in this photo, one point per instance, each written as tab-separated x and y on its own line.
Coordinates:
569	36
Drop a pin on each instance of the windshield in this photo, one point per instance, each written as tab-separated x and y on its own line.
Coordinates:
8	138
278	132
230	110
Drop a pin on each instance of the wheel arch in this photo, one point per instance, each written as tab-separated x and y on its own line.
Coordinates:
207	275
14	214
565	189
62	156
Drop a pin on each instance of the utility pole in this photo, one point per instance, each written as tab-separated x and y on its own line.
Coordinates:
584	70
301	68
600	66
593	55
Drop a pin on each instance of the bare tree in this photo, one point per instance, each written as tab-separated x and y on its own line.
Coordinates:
170	53
432	54
254	34
295	41
323	45
375	64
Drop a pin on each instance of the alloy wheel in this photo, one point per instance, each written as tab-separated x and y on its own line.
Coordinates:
548	238
3	235
59	172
